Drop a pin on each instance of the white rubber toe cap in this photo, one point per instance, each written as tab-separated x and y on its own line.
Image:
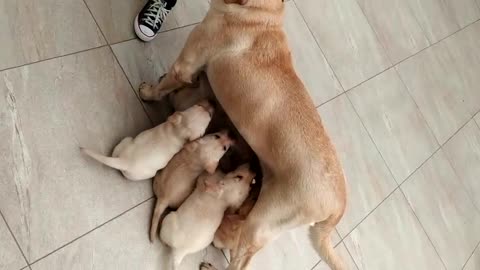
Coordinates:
144	33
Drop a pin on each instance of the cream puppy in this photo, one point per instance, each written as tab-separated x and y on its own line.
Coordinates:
192	227
176	182
141	157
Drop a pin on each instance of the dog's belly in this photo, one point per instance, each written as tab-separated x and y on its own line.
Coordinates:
271	109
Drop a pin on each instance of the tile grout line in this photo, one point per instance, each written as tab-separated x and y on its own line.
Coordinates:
119	64
325	102
406	88
455	171
413	55
92	230
350	254
321	50
405	180
423	228
385	51
471	255
15	239
161	32
131	87
52	58
393	191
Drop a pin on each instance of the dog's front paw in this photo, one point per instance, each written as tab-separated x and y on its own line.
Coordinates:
145	91
206	266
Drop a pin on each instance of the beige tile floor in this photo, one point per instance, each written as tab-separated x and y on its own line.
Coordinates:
397	83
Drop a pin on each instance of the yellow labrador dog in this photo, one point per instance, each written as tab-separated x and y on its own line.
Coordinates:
242	47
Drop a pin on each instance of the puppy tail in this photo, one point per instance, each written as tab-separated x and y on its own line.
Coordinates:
320	237
115	163
160	207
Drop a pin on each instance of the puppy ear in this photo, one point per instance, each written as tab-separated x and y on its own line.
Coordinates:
239	2
175	119
190	147
211	166
213	186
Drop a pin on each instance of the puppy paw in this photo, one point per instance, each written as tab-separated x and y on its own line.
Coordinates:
145	90
206	266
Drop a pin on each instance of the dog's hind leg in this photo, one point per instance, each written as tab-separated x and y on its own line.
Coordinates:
121	146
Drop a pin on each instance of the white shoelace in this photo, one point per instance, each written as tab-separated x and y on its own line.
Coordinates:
156	13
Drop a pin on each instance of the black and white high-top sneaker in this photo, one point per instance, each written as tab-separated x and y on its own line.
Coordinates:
150	19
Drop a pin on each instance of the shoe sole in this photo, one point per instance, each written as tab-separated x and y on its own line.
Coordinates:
139	33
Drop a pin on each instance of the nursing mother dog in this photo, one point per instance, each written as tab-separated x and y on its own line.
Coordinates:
242	47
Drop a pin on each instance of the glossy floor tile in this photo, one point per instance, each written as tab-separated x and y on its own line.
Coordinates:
448	215
35	30
309	60
48	111
442	83
392	238
440	18
395	123
10	255
369	180
123	244
346	38
463	151
116	17
396	26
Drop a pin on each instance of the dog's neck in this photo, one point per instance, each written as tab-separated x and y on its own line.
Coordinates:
267	12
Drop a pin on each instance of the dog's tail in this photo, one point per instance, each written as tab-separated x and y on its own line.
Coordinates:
115	163
320	237
160	207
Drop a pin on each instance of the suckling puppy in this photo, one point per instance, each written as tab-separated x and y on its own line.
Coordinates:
192	227
227	234
176	182
185	97
141	157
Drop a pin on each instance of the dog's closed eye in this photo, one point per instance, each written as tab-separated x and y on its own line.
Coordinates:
217	136
239	177
224	148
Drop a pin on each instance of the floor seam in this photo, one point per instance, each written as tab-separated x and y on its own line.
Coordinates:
471	255
423	228
321	50
15	239
385	51
406	88
52	58
411	56
92	230
119	64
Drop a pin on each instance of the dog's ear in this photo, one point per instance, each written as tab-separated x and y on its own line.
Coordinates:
175	118
211	166
239	2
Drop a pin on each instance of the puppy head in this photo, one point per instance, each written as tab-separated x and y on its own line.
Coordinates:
211	149
236	185
194	121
